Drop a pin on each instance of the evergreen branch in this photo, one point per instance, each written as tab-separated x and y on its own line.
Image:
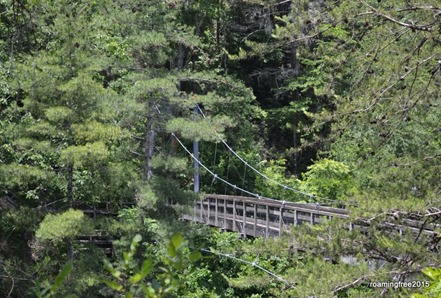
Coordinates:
415	8
352	284
378	99
408	107
376	12
136	153
12	280
384	45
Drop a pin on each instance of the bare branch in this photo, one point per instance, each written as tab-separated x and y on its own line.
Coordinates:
433	214
379	96
352	284
376	12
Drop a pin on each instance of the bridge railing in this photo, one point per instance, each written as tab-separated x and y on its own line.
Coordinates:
264	218
258	217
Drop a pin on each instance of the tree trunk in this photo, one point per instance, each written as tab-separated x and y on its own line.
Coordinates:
70	185
294	61
70	250
149	148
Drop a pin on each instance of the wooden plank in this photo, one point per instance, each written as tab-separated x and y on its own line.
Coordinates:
281	221
225	213
255	220
301	209
216	212
267	222
234	215
201	206
287	205
209	208
265	212
244	216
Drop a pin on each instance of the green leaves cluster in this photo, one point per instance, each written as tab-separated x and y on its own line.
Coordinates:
132	280
47	290
67	225
434	290
329	179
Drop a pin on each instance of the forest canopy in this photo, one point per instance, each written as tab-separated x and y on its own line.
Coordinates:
335	103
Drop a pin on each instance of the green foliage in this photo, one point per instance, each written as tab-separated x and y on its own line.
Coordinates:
329	179
46	290
83	156
131	279
434	290
84	84
276	170
207	130
63	226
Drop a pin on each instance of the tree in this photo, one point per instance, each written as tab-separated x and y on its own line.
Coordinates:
61	143
381	73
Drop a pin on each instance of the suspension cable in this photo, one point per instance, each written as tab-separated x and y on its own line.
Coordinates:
254	264
311	196
211	172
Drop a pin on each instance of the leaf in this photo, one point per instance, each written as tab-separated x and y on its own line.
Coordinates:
61	276
147	266
195	256
109	267
126	257
113	285
137	238
135	278
437	289
135	242
149	291
171	250
432	273
177	239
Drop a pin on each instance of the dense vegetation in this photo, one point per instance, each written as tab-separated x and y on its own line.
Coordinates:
338	99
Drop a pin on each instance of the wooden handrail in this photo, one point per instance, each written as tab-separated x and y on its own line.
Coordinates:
264	217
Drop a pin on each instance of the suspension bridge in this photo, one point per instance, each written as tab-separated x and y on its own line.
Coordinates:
255	217
259	216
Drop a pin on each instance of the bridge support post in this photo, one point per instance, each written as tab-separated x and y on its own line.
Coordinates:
225	213
296	223
312	218
208	210
195	210
234	228
267	222
255	220
244	217
202	211
281	221
216	212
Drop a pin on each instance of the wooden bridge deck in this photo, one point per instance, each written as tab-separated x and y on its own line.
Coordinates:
264	218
